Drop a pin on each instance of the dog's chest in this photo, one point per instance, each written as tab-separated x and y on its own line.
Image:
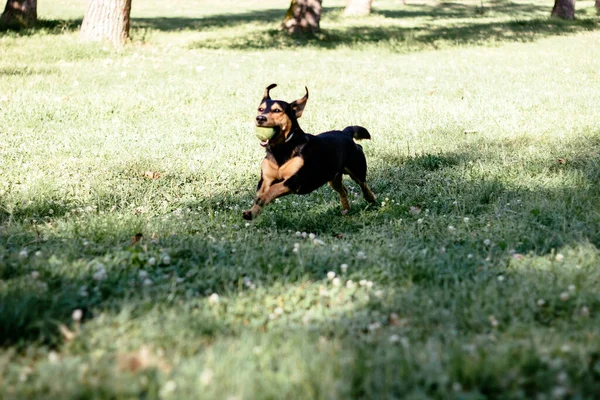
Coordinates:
274	172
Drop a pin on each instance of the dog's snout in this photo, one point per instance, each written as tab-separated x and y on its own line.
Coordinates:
261	119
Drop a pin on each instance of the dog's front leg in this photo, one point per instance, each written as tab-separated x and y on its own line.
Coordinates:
265	197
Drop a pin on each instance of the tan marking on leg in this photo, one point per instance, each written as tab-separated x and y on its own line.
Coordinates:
290	168
269	191
275	191
339	187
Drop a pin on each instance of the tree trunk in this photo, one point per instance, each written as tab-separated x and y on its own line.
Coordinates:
597	7
19	13
564	9
107	20
303	16
359	8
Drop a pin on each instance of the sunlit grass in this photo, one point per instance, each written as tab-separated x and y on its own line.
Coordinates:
475	276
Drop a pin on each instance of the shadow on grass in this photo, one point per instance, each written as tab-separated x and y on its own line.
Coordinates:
45	26
108	271
407	39
175	24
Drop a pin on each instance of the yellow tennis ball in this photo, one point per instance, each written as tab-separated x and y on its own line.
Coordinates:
264	133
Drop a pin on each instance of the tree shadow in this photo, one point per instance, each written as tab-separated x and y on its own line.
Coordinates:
44	26
175	24
406	39
432	191
460	10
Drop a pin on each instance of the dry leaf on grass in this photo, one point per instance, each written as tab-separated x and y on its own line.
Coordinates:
152	174
141	360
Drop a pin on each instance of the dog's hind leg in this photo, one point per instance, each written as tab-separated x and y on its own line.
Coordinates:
358	172
337	185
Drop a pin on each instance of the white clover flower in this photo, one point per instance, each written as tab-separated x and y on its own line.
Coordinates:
469	256
336	282
312	236
394	338
374	326
466	220
168	388
350	284
369	284
77	315
361	255
487	242
500	278
206	377
330	275
147	282
303	234
541	302
142	274
420	221
493	321
344	267
451	228
585	311
298	234
318	242
53	357
152	261
564	296
213	299
379	294
166	259
362	282
100	274
38	254
23	254
278	311
35	274
559	257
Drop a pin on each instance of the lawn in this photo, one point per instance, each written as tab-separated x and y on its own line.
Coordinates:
476	275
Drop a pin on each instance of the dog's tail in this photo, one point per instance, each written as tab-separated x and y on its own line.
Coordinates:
357	132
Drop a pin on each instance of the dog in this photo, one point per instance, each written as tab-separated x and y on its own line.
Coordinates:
298	162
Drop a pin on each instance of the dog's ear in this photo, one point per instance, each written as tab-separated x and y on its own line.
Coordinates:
266	96
298	105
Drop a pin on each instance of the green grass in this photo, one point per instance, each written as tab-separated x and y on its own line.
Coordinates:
476	276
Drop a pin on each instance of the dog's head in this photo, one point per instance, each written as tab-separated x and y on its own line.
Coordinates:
279	115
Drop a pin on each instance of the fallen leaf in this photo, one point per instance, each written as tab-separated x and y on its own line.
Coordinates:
151	174
141	360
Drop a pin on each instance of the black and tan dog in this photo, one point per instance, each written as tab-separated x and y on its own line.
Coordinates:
298	162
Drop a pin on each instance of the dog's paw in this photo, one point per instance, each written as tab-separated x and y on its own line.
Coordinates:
247	215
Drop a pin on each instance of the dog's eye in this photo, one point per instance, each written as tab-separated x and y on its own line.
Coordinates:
277	111
261	109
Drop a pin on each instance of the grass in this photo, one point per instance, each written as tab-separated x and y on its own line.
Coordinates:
476	276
